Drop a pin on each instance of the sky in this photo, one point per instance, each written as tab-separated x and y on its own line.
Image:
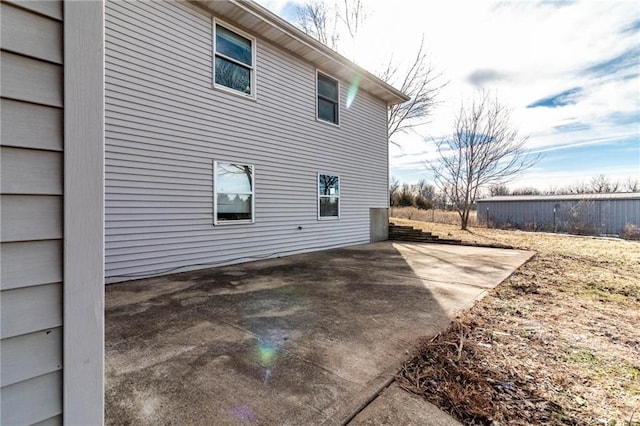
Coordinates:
568	70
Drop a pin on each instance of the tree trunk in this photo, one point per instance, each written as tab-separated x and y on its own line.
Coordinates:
465	219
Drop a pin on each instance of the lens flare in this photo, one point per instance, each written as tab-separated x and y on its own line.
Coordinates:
268	348
266	354
267	376
243	412
353	91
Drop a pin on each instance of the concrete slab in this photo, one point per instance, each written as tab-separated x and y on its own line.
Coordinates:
396	406
306	339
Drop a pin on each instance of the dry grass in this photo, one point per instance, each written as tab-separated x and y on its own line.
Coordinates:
433	215
556	343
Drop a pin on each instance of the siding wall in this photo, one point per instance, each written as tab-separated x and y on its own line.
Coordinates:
165	125
571	215
31	232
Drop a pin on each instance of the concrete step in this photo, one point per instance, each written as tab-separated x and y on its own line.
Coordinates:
410	234
427	240
406	230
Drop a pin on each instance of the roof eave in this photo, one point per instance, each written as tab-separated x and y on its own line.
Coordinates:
252	17
564	197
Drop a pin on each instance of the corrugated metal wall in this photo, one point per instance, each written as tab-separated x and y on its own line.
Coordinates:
165	125
602	216
31	202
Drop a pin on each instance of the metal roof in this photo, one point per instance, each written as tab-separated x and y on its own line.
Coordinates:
567	197
254	18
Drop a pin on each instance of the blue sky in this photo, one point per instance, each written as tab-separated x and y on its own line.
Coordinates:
569	70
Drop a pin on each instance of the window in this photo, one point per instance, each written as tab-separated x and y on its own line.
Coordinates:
328	196
328	95
233	198
234	60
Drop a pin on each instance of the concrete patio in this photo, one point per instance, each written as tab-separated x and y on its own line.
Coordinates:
307	339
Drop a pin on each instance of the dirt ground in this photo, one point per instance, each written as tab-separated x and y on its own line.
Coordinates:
557	343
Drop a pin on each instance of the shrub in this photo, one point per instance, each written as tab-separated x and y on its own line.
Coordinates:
422	203
631	232
579	218
405	199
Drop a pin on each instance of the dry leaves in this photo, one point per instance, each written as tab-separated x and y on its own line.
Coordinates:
557	343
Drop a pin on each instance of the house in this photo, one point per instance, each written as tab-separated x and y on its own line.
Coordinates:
143	138
605	214
232	136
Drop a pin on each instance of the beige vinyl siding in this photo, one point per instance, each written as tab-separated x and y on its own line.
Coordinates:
31	212
28	263
31	125
31	354
51	9
25	402
166	124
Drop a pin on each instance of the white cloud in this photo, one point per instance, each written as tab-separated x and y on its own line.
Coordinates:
524	51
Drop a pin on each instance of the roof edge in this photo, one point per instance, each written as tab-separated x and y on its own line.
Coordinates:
389	94
556	197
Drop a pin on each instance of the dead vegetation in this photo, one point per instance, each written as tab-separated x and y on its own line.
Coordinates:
631	232
432	215
557	343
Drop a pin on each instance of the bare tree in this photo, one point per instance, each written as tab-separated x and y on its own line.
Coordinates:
320	22
419	80
601	184
615	186
499	189
394	185
632	185
484	149
426	190
527	190
552	190
353	15
576	188
328	184
425	194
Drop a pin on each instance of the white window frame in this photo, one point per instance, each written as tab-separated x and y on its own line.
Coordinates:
327	196
253	68
215	194
324	74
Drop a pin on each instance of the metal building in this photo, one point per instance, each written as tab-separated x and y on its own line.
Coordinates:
604	214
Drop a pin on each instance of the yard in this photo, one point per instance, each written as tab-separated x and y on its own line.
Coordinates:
557	343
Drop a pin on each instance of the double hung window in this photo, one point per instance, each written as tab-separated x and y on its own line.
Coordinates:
234	66
328	196
328	95
234	190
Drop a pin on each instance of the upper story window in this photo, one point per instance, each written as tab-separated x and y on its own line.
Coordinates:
328	196
234	60
233	198
328	96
